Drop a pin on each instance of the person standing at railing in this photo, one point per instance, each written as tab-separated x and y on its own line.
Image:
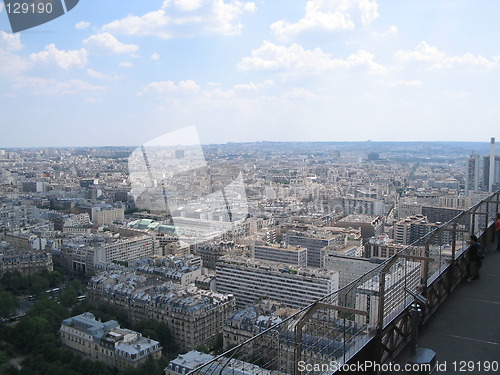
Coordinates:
473	259
497	231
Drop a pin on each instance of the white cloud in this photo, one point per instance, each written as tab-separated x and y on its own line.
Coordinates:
422	52
456	95
1	8
11	64
219	94
10	42
155	56
406	83
107	43
467	60
270	56
295	58
299	93
188	5
96	74
425	53
169	87
82	25
63	59
42	86
254	86
186	18
392	30
369	11
328	15
125	64
389	31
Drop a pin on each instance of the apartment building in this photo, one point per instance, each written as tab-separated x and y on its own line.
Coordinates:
447	209
107	342
349	268
370	225
187	362
362	205
313	242
25	261
381	247
295	255
251	280
194	316
244	324
14	216
411	229
78	257
210	254
183	274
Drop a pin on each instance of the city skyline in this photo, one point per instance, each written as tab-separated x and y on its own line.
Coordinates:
122	72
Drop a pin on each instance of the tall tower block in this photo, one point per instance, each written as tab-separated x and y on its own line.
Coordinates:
492	165
472	174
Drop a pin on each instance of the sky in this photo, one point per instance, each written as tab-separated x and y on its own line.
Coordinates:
123	72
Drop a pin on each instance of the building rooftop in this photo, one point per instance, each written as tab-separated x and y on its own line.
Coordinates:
292	249
193	359
277	267
359	218
87	323
146	288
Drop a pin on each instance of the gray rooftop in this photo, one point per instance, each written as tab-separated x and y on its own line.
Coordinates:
86	322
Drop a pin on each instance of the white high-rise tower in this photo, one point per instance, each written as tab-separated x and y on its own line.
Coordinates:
472	174
492	165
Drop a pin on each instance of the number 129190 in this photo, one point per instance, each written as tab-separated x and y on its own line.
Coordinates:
473	366
25	8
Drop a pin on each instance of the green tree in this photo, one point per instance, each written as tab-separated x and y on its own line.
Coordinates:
4	362
151	366
203	348
107	312
158	331
32	331
219	344
51	311
8	304
133	371
68	297
55	278
39	284
76	285
14	281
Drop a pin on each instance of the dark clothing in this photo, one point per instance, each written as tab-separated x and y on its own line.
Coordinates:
474	269
473	261
497	233
474	254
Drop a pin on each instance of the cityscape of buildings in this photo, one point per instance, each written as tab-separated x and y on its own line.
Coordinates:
222	264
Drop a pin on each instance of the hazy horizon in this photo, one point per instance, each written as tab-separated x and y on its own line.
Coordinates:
367	142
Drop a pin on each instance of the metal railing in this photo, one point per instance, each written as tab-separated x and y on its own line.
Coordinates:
368	318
